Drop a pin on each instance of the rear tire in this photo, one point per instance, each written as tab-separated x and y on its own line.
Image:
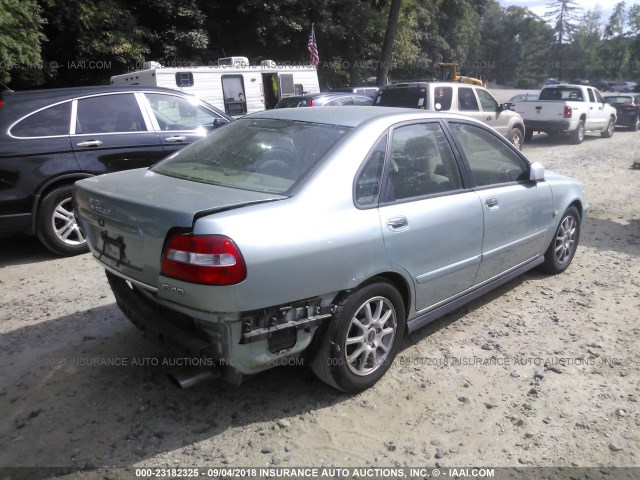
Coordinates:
564	244
577	136
56	226
362	338
635	126
528	135
608	133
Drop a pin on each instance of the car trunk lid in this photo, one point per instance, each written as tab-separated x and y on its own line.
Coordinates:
126	216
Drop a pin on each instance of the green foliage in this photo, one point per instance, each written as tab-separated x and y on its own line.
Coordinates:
75	42
102	39
20	40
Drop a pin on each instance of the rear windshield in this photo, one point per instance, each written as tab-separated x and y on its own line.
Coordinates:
562	93
410	97
264	155
618	100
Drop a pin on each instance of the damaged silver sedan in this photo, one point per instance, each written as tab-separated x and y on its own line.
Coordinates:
323	233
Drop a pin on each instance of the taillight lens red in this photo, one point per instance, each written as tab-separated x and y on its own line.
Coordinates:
204	259
567	112
311	103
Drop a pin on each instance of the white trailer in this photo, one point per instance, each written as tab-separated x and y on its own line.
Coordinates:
232	84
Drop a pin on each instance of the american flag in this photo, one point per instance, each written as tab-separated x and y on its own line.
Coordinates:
312	46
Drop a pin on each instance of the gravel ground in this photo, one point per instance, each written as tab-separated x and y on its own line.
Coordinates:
541	372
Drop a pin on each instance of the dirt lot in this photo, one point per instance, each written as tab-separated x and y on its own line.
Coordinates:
542	372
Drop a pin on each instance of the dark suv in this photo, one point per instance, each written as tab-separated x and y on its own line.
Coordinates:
628	108
51	138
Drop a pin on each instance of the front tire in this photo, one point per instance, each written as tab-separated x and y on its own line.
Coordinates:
608	133
564	244
362	338
57	228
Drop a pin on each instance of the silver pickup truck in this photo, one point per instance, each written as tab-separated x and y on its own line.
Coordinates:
567	109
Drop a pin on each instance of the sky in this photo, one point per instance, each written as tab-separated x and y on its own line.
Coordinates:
538	6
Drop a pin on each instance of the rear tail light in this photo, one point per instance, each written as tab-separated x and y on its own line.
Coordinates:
204	259
629	107
310	103
567	112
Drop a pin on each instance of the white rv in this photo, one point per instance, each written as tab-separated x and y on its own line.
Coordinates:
232	84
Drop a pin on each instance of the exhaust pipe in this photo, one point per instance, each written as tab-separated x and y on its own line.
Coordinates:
188	377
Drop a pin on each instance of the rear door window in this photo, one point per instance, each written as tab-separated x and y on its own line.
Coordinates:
109	114
467	100
442	97
422	163
50	122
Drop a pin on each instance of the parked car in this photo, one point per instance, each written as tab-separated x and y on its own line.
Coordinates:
51	138
368	91
469	100
568	109
326	99
624	87
521	97
628	108
324	232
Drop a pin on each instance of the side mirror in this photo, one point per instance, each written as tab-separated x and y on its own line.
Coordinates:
536	172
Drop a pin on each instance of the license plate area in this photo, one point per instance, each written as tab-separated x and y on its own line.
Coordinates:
113	248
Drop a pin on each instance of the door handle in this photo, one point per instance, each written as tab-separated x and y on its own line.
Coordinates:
90	143
398	223
492	203
178	138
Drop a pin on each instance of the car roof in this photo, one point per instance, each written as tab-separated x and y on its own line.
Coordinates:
23	100
350	116
73	92
323	94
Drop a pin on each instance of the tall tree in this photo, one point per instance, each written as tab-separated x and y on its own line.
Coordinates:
616	48
585	46
565	15
387	45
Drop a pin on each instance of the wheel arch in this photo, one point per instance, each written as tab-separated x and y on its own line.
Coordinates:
578	204
46	187
519	126
395	279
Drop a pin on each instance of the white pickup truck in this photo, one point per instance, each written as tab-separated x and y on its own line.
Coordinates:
567	109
